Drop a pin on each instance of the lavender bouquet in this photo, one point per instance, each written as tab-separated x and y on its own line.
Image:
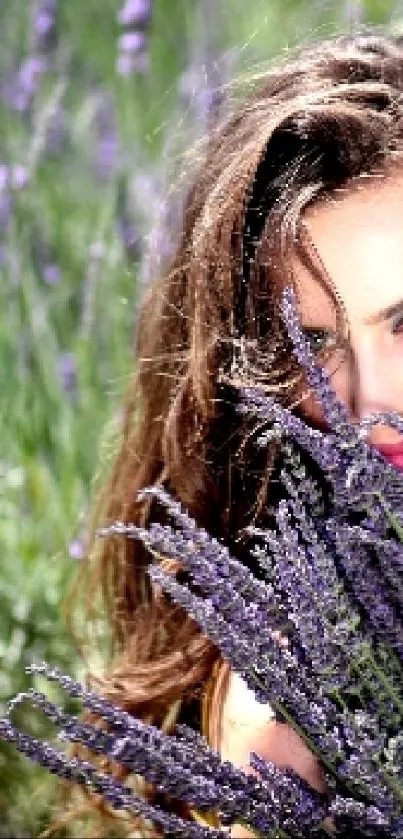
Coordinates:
319	636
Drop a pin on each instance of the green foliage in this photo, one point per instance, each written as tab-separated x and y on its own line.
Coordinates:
69	281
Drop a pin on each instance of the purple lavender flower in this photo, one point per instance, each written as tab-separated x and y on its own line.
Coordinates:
198	92
369	478
118	795
135	13
57	132
369	588
51	276
107	141
133	43
44	25
20	91
68	373
185	767
4	176
6	199
133	54
126	228
19	176
12	179
129	234
76	549
335	411
354	818
107	154
244	632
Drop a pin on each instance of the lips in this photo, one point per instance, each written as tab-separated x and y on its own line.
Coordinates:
390	448
397	460
393	452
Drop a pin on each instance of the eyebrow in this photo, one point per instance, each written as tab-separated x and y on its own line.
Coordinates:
385	313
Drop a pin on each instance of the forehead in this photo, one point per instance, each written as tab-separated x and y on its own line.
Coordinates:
358	236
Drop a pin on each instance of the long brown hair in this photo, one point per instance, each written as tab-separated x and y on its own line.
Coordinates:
307	125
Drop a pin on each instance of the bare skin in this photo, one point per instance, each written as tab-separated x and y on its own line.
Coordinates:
359	237
248	726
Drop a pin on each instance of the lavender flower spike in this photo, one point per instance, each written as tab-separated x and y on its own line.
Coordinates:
118	795
334	410
186	768
44	25
135	13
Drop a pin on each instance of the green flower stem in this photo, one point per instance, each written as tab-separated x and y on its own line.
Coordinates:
367	656
391	518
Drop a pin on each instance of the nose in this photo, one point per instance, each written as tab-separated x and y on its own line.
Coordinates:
373	388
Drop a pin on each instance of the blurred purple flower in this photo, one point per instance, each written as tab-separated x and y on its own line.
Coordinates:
6	198
4	176
133	56
129	236
68	373
127	64
13	177
76	549
135	13
51	273
44	25
57	132
19	176
20	91
198	92
131	42
107	154
43	22
107	146
126	228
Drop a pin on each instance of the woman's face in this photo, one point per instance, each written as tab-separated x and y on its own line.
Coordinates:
358	236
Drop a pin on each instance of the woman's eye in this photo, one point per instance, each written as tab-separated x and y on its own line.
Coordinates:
320	339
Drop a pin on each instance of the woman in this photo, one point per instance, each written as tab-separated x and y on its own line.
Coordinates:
302	184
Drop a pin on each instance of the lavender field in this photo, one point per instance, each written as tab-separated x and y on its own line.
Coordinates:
99	101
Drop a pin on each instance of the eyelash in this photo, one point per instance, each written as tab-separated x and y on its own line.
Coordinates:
398	322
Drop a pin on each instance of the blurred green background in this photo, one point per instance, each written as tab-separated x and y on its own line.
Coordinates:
98	100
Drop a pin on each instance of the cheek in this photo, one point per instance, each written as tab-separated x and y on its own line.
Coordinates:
310	409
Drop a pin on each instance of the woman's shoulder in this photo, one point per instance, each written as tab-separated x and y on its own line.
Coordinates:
250	726
238	724
244	721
